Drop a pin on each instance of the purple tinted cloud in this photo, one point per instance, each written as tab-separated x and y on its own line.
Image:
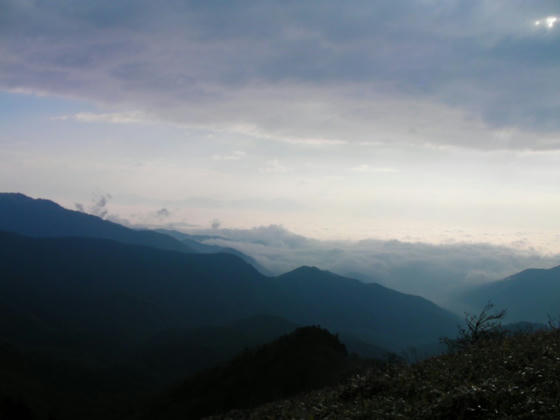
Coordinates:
259	63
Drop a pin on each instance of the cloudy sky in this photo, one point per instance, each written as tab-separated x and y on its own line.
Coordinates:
421	120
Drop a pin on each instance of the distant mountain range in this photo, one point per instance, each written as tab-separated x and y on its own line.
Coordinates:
166	289
91	309
530	295
94	311
127	291
44	218
195	243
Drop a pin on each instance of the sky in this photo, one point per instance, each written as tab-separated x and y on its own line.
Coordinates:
419	120
439	272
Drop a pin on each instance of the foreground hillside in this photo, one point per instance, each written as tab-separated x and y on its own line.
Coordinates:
516	377
307	359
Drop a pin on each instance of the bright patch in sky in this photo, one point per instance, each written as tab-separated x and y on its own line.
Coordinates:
549	22
350	120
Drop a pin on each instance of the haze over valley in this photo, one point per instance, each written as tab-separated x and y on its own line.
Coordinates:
279	209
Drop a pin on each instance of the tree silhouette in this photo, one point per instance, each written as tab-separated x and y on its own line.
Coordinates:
486	325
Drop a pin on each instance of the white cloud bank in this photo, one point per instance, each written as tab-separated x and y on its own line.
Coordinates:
437	272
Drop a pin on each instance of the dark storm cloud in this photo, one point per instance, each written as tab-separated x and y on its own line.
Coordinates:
220	63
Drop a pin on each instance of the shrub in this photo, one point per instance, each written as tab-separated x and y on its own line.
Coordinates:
484	326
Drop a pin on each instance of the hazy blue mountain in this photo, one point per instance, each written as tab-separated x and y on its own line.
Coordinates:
195	243
45	218
110	286
369	311
436	272
528	296
134	291
91	318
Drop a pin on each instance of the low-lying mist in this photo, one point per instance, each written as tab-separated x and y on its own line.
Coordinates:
437	272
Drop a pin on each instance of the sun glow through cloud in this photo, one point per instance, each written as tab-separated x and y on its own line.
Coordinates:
549	22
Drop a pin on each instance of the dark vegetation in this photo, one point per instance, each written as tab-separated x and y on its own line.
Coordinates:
510	375
487	325
306	359
39	385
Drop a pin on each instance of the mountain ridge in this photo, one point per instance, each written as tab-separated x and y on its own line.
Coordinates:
40	217
215	288
530	295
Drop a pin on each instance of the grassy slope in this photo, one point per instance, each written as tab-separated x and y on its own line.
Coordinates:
517	377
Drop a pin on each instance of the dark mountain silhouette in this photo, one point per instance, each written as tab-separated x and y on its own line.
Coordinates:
343	304
44	218
68	375
306	359
530	295
122	290
194	242
84	319
175	354
133	291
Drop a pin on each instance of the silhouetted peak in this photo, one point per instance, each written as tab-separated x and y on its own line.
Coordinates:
306	359
312	274
22	199
306	269
15	196
318	336
44	218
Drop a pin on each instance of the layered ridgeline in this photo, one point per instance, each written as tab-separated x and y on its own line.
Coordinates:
308	358
531	295
196	244
91	311
134	291
45	218
160	289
